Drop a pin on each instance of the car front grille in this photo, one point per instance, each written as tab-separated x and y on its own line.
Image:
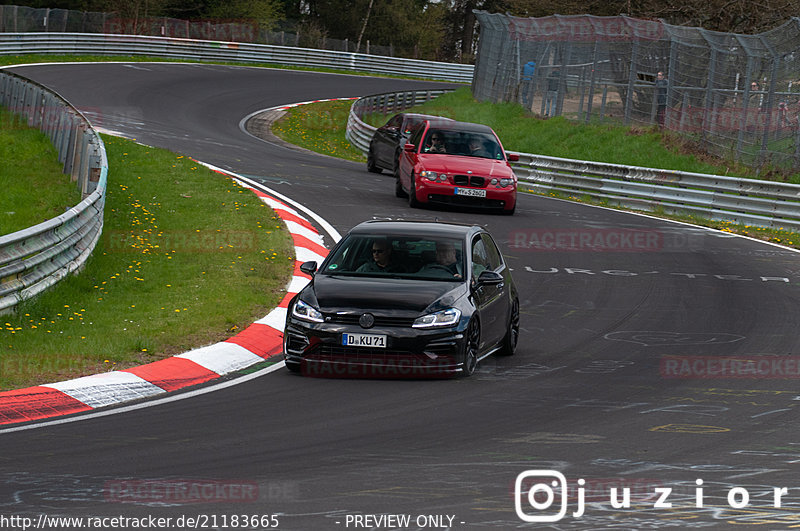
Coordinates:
469	180
352	319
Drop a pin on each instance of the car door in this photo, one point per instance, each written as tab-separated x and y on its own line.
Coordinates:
386	141
490	299
408	159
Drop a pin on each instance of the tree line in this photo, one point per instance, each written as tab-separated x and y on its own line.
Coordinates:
442	30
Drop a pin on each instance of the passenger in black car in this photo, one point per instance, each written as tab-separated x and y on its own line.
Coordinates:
446	262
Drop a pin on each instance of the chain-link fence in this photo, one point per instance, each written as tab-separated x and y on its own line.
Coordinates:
19	19
739	95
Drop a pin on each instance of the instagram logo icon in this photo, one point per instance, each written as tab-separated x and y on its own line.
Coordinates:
538	488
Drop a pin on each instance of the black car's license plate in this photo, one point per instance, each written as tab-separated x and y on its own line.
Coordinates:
364	340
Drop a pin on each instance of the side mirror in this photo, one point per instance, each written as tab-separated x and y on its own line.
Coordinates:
490	278
309	268
513	157
409	148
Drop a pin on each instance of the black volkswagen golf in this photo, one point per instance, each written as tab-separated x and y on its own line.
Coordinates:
403	299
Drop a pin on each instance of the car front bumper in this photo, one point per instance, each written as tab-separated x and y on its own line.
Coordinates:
496	198
316	349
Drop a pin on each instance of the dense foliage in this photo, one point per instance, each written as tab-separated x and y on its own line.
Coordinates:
443	30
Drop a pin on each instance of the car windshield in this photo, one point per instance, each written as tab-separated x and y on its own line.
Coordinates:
471	144
411	257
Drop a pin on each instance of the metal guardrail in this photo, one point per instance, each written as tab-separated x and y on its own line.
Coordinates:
196	50
359	133
743	201
33	259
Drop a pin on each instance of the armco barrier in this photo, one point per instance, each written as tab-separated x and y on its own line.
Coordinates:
195	50
744	201
359	133
35	258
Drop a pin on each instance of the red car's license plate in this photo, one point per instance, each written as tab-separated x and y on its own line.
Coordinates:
471	192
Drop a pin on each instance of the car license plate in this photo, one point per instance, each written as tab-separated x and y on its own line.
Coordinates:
364	340
472	192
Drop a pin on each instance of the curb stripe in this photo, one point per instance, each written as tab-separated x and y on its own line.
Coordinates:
259	341
107	388
36	403
173	373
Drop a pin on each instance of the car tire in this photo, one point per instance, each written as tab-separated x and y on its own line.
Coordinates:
412	195
398	188
472	339
371	166
396	165
511	338
293	366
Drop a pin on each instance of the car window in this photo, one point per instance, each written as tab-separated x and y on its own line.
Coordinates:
416	135
483	145
395	122
493	256
375	255
480	259
436	141
410	123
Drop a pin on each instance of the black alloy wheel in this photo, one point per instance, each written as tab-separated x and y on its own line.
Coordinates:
512	334
473	341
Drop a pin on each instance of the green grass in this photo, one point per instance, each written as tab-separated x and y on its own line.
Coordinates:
558	137
30	162
319	127
186	258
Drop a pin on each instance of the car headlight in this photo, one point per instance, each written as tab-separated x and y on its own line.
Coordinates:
505	182
430	175
306	312
447	317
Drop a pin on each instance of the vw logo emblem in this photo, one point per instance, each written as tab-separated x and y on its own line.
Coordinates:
367	320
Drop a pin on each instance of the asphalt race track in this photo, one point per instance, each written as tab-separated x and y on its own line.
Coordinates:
622	377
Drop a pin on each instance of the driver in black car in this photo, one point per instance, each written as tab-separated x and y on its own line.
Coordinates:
446	262
381	259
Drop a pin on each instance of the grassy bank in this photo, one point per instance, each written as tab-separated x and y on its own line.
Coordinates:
30	162
186	258
556	137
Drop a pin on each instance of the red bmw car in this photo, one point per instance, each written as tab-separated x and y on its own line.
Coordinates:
456	163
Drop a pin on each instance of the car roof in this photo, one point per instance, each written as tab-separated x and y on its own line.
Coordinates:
421	228
462	126
419	118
